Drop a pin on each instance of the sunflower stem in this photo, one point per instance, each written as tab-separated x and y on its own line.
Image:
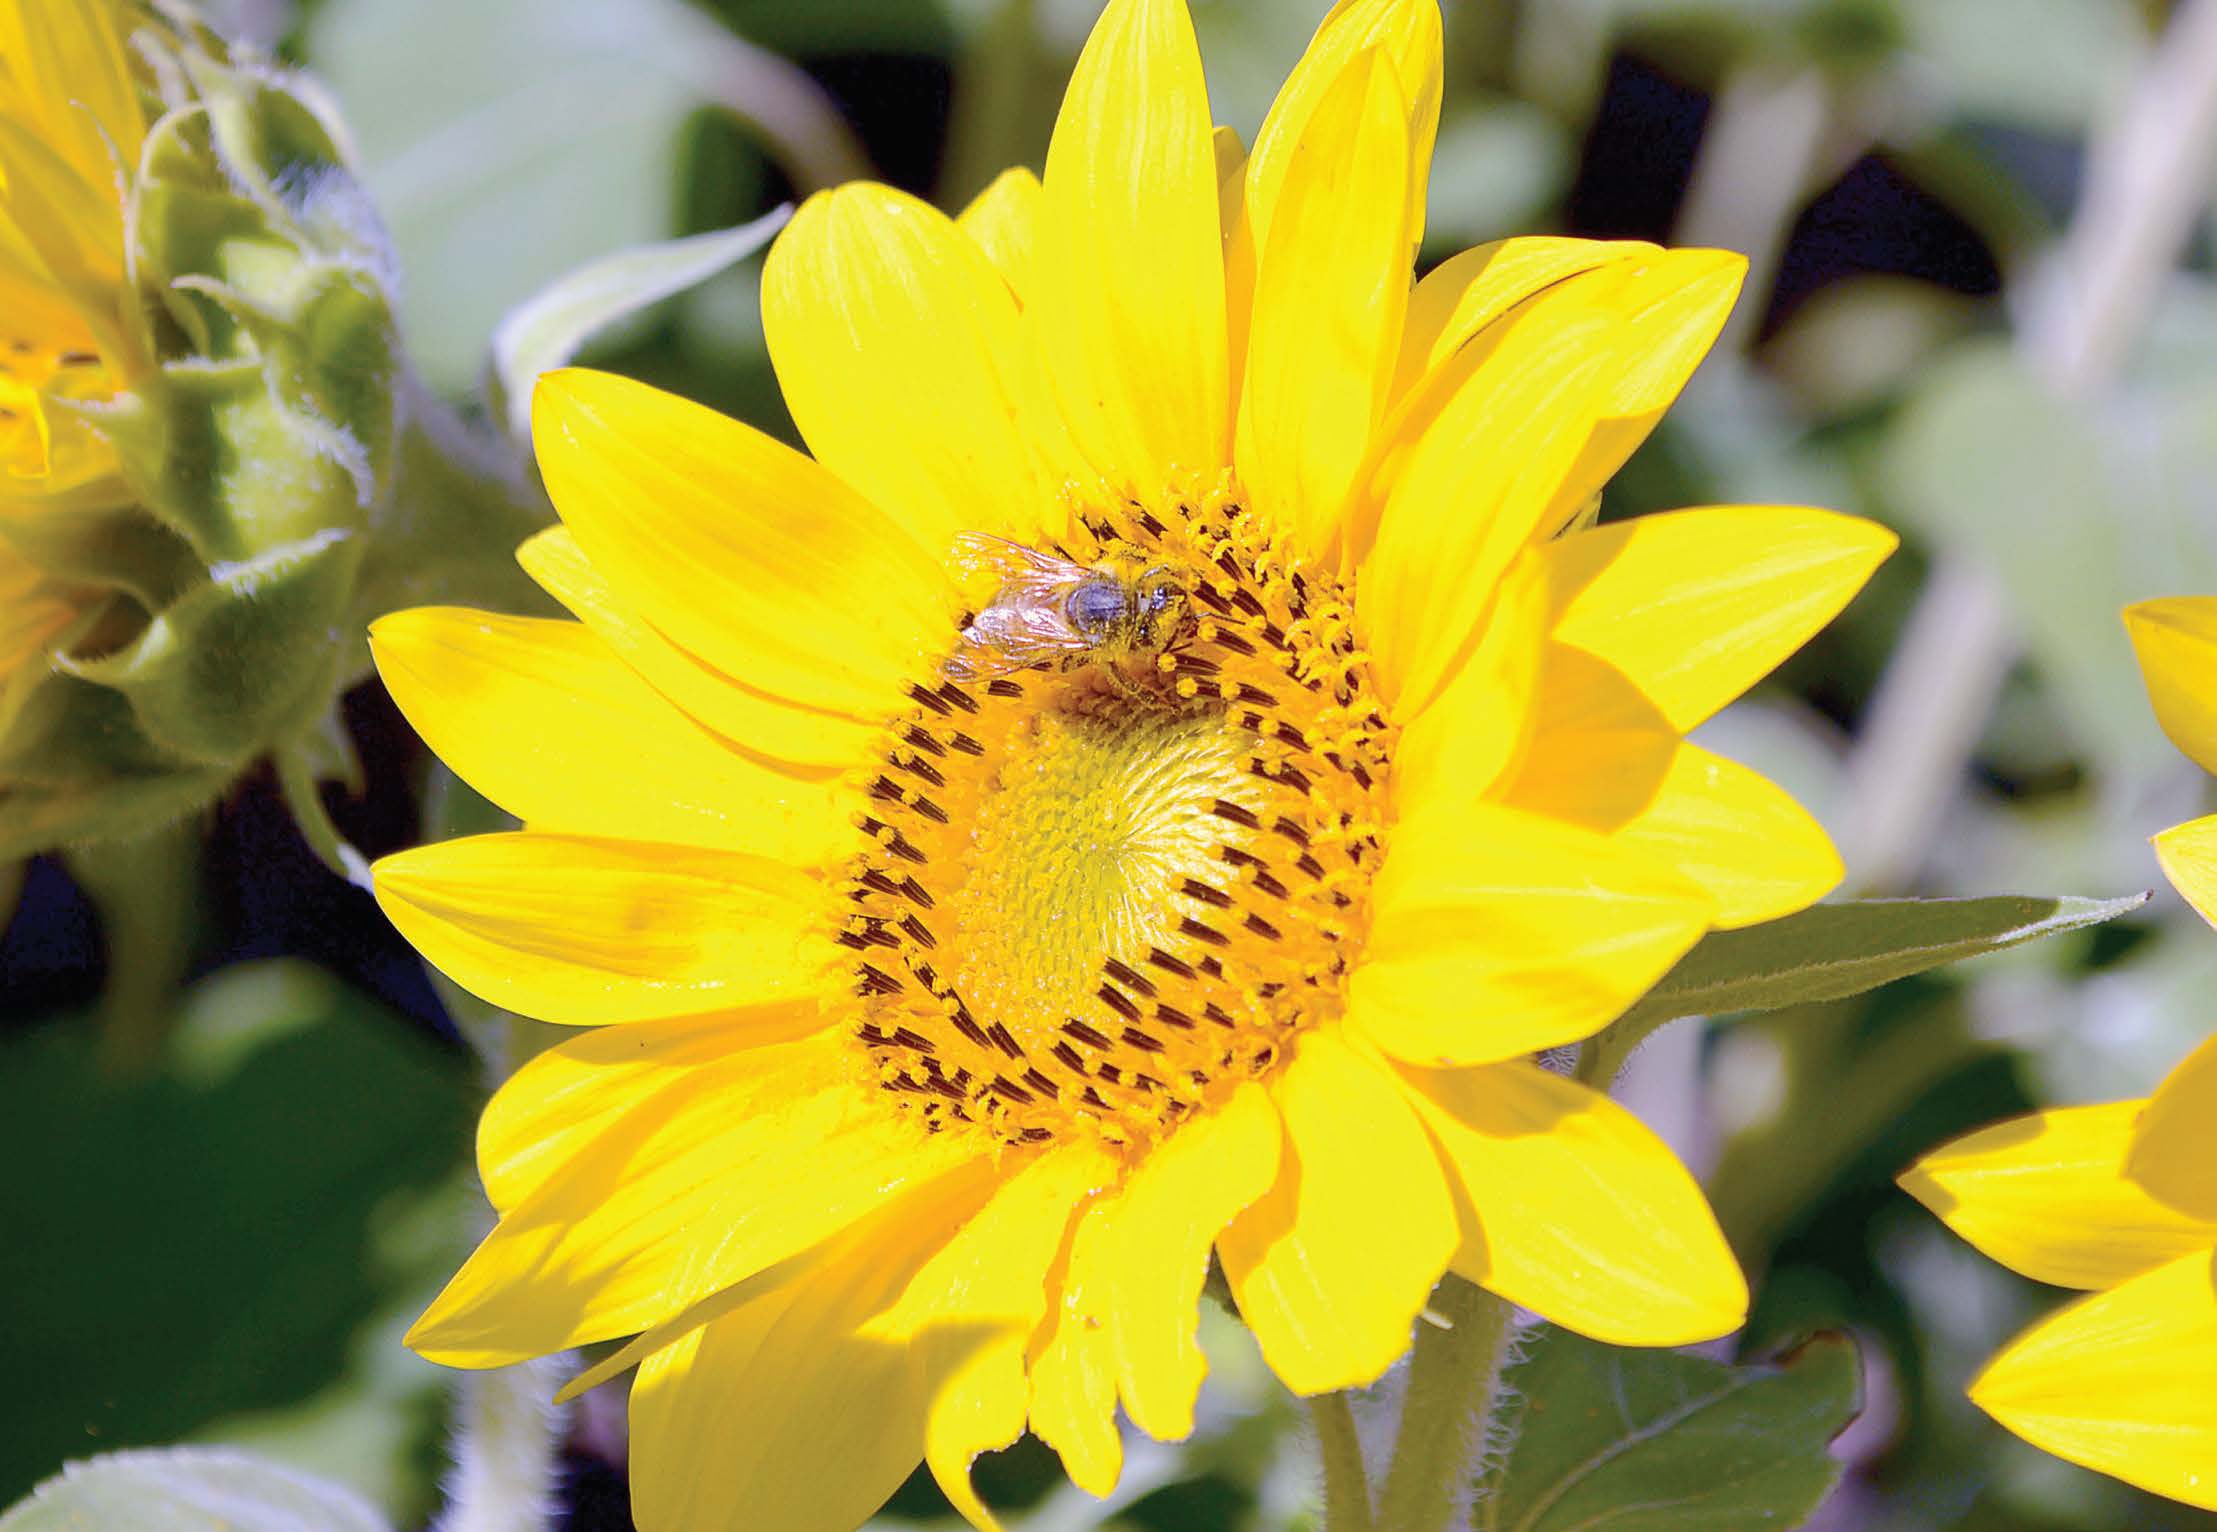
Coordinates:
1346	1485
1448	1413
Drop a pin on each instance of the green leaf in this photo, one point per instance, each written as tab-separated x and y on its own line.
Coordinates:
1831	951
247	658
546	330
217	1234
188	1489
1660	1441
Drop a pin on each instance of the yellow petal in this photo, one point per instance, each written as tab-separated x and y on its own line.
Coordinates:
1130	271
1239	251
1465	293
971	1309
1697	606
1599	751
1572	1209
542	718
746	1162
2120	1382
1738	835
1475	733
1671	307
905	363
2047	1195
1073	1359
1470	492
1180	1198
1330	289
1497	933
780	1409
571	929
2176	640
1003	220
738	547
2188	855
568	1097
2174	1154
1333	1265
1407	32
809	740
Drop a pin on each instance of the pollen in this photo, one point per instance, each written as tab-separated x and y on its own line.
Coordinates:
1090	901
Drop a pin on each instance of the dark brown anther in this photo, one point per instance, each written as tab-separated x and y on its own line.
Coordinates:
1141	1041
1034	1135
1117	1001
1201	933
1002	686
918	931
1207	596
906	852
1360	773
928	809
1290	830
1268	885
1085	1034
1004	1040
968	1026
917	766
923	697
963	742
957	697
922	739
1289	735
1233	642
1110	1073
1168	963
1224	809
1130	977
1260	927
1069	1057
1002	1085
911	890
1171	1016
876	981
1191	664
1309	865
1194	888
1255	696
1147	520
1041	1083
1215	1013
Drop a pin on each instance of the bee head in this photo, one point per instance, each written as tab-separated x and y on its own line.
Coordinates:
1158	606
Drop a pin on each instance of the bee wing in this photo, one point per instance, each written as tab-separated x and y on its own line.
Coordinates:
1023	576
1009	635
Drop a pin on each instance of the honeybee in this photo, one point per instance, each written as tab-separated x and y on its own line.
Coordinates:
1050	609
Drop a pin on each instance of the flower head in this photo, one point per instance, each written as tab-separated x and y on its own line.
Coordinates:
2120	1199
197	384
954	1008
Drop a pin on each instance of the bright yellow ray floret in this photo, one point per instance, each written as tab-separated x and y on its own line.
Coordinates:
2118	1199
949	1028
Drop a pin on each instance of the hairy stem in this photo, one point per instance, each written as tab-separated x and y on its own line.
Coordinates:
1449	1412
1346	1485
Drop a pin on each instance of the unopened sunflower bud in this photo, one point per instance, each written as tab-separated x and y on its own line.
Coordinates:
203	420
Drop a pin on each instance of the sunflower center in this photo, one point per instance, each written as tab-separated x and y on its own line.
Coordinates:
1095	898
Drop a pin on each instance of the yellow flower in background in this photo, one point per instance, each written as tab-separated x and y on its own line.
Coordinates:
950	1014
2118	1199
71	126
72	122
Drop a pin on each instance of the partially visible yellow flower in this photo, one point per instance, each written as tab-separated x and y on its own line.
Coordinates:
945	1028
2118	1199
72	124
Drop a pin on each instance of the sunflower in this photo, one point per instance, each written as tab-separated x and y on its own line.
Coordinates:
945	1028
72	122
2119	1199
